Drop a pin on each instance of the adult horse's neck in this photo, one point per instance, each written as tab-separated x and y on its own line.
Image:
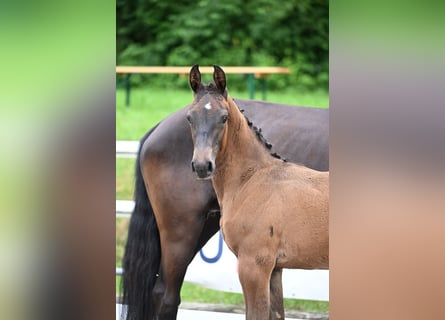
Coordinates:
241	155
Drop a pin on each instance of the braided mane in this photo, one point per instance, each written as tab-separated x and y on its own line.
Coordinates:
259	134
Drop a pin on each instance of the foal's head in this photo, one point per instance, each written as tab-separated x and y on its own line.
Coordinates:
207	116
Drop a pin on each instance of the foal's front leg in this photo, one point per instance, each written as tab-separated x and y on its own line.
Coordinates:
254	274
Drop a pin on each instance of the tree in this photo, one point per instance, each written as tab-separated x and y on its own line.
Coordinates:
232	32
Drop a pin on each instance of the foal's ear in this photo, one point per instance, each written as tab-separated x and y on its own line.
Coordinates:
219	77
195	78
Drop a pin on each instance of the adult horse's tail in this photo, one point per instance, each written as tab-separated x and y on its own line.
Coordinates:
142	253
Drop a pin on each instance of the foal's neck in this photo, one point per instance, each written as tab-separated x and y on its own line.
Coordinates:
240	156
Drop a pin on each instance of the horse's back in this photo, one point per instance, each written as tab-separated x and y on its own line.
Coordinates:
292	184
298	134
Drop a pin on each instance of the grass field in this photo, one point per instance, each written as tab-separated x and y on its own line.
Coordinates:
147	107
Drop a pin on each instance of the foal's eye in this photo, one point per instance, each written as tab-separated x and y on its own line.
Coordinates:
189	118
224	118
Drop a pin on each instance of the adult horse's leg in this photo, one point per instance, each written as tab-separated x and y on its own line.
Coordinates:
211	226
255	275
179	246
177	253
276	295
181	206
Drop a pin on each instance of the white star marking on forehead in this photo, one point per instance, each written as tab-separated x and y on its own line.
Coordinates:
208	106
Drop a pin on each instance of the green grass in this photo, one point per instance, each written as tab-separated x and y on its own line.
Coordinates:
198	294
147	107
194	293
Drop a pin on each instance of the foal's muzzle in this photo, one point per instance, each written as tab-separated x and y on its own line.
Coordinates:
203	169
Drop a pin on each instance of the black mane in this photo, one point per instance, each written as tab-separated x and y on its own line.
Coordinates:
259	134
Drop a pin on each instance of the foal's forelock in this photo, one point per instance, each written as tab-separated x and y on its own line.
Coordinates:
208	103
210	89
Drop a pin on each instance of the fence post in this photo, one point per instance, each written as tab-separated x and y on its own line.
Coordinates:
127	89
251	86
263	87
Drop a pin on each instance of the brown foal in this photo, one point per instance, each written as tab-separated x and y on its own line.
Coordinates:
274	214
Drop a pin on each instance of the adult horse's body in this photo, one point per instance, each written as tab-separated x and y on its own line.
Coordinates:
180	213
274	214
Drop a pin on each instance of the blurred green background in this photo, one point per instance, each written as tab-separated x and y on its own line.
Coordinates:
292	34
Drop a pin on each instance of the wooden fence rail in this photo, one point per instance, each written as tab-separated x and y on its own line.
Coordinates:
252	72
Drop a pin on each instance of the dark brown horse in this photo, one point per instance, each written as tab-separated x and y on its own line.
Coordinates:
274	214
179	214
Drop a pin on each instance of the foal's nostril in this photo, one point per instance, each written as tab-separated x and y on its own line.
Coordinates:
193	166
210	166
